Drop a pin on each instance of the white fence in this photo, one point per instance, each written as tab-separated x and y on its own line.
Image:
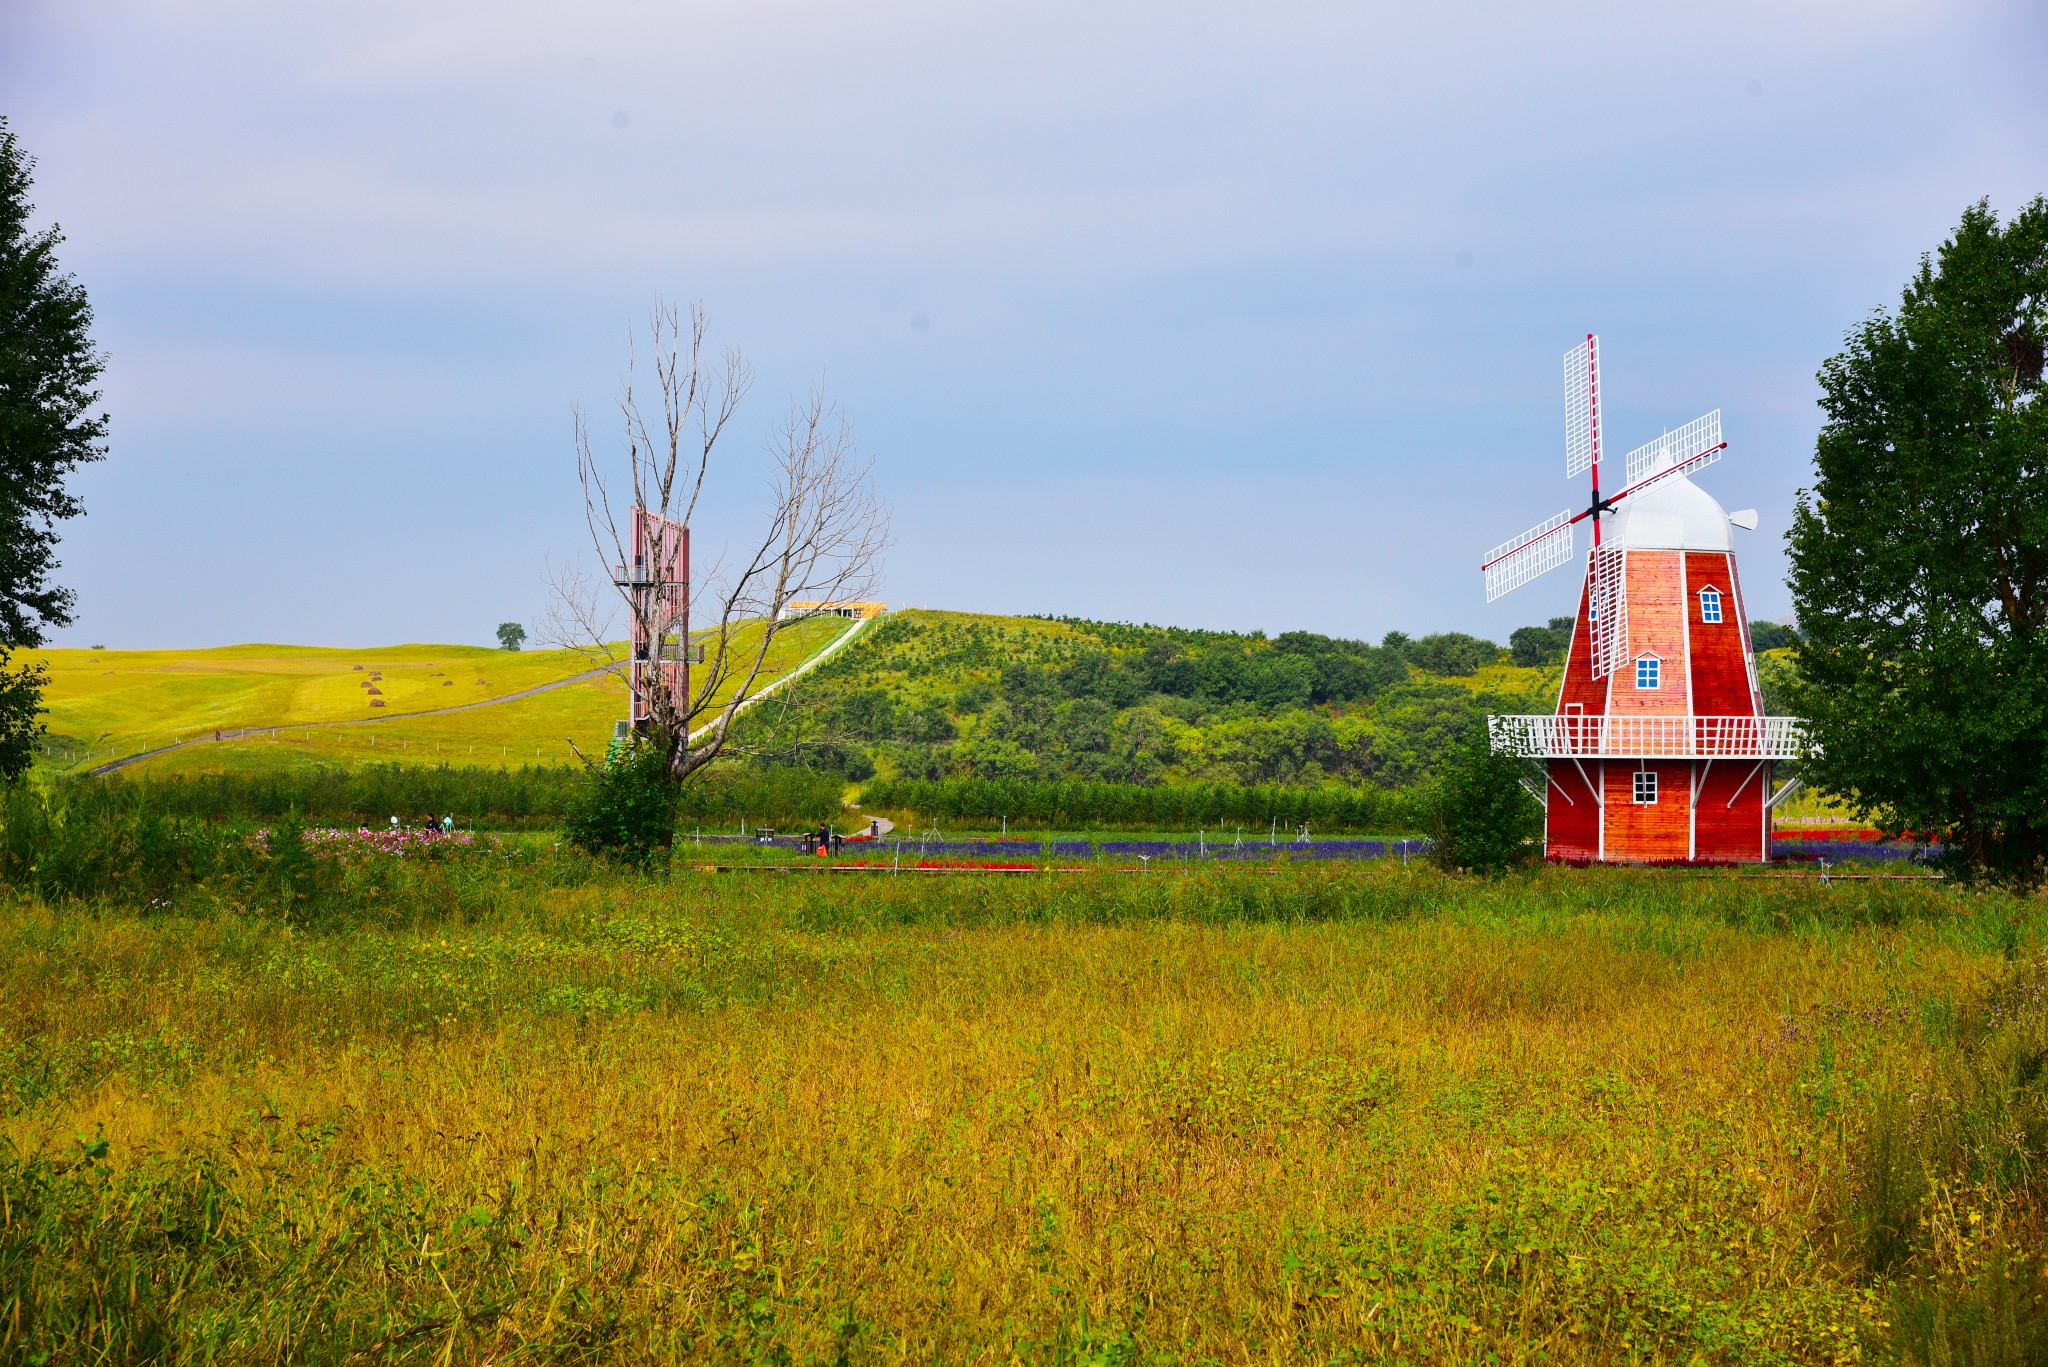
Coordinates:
1552	736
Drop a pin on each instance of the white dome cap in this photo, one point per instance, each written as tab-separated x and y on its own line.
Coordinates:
1674	514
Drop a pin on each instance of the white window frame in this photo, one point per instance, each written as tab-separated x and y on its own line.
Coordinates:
1714	618
1646	782
1656	669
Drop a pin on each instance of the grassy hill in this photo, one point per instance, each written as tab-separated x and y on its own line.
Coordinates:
922	694
956	695
105	704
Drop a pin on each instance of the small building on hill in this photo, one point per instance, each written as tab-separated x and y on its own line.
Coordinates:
858	612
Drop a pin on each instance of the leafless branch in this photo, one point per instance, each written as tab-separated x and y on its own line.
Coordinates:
822	541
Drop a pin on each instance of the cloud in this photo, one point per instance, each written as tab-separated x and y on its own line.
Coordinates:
1274	263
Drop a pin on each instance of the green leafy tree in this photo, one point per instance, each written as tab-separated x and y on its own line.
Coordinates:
1536	646
49	376
629	811
1770	636
1453	653
1483	819
511	635
1920	555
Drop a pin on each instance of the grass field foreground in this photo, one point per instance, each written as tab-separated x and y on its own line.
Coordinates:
511	1106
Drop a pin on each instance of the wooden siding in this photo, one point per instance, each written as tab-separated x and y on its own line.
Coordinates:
1720	650
1656	626
1571	827
1730	821
1659	831
1579	686
1748	646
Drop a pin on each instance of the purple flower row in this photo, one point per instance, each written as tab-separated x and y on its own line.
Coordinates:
1807	851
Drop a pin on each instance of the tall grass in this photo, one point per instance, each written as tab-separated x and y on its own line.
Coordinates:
1948	1189
519	1105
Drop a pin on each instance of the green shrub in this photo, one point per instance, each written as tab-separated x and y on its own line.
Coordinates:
86	840
1482	818
629	811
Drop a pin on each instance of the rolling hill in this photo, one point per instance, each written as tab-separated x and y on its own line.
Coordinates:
431	704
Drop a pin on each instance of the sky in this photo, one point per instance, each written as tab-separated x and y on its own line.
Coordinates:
1244	316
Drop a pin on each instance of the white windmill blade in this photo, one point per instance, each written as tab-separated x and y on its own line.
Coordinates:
1519	559
1582	406
1694	446
1607	572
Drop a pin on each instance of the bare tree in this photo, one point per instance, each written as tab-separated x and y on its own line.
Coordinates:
822	541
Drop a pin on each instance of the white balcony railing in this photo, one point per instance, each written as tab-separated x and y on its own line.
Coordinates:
1572	736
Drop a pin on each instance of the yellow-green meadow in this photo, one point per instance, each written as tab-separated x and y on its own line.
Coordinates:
109	704
506	1105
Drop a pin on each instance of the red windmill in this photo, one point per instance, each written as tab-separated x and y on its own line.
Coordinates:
1659	748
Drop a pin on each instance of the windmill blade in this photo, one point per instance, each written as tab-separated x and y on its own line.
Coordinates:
1582	406
1608	608
1519	559
1694	446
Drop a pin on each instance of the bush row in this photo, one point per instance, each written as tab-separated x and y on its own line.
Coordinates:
502	799
1173	806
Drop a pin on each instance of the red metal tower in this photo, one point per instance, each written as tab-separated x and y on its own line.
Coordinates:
657	586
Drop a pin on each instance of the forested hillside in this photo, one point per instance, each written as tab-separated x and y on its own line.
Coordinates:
956	695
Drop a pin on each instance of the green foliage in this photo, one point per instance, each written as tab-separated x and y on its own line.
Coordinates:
511	635
48	374
1777	678
22	732
1483	819
1031	804
628	812
48	377
293	874
87	840
940	696
1920	556
503	799
1765	636
1451	653
783	795
1534	647
492	799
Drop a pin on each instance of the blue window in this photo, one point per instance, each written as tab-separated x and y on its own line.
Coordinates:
1649	672
1710	605
1646	787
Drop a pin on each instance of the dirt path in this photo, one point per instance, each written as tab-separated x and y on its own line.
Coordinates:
243	733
